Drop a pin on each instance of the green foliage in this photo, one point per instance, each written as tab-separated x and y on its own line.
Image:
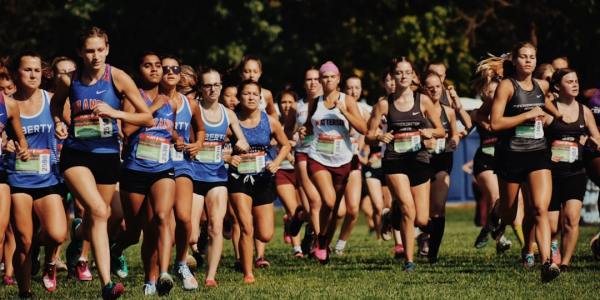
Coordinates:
361	36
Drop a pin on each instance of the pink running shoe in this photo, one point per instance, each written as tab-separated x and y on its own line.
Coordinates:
49	277
8	280
82	271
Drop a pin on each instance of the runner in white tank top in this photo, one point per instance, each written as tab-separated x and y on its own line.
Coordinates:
330	153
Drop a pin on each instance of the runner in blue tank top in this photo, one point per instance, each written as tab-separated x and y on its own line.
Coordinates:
9	117
90	158
251	174
190	128
210	174
34	183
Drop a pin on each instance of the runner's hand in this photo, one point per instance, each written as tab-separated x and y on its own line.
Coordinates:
385	138
235	160
60	131
22	152
273	167
104	110
242	146
193	148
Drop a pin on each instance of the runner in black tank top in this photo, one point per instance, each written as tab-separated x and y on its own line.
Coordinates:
406	162
442	150
522	154
568	173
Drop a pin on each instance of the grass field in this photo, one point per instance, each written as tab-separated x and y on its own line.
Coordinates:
368	270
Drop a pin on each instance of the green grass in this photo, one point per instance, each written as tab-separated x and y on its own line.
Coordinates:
368	270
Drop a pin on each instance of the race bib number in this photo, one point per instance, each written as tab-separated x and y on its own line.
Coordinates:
38	162
92	127
153	148
565	151
252	163
440	146
210	152
407	142
176	155
530	131
489	146
329	144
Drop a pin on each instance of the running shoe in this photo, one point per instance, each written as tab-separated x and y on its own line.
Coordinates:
49	277
482	239
295	222
149	289
189	281
61	266
528	260
112	291
8	280
399	251
119	267
556	257
73	251
249	279
322	255
339	252
549	271
261	262
287	237
210	283
386	226
564	268
409	266
82	271
423	243
165	284
595	245
502	245
298	254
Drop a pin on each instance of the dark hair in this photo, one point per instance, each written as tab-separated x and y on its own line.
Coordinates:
59	59
287	92
244	83
246	59
558	76
170	56
541	69
92	32
14	64
434	63
5	75
509	68
422	88
144	54
206	70
394	63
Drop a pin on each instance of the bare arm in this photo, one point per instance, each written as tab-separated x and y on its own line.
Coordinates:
434	117
590	123
351	111
14	116
379	109
282	140
234	125
198	127
141	116
270	105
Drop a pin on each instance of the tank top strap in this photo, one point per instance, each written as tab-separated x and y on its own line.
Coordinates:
580	117
224	114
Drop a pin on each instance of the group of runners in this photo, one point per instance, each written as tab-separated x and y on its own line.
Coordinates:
189	160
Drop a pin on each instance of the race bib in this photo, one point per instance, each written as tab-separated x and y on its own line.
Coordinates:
565	151
286	165
176	155
92	127
307	140
533	130
407	142
376	161
329	144
440	146
252	163
489	146
210	152
38	162
354	143
153	148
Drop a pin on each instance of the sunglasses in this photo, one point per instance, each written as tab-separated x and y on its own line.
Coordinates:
176	69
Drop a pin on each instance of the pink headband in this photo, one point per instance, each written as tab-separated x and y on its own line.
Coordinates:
329	67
